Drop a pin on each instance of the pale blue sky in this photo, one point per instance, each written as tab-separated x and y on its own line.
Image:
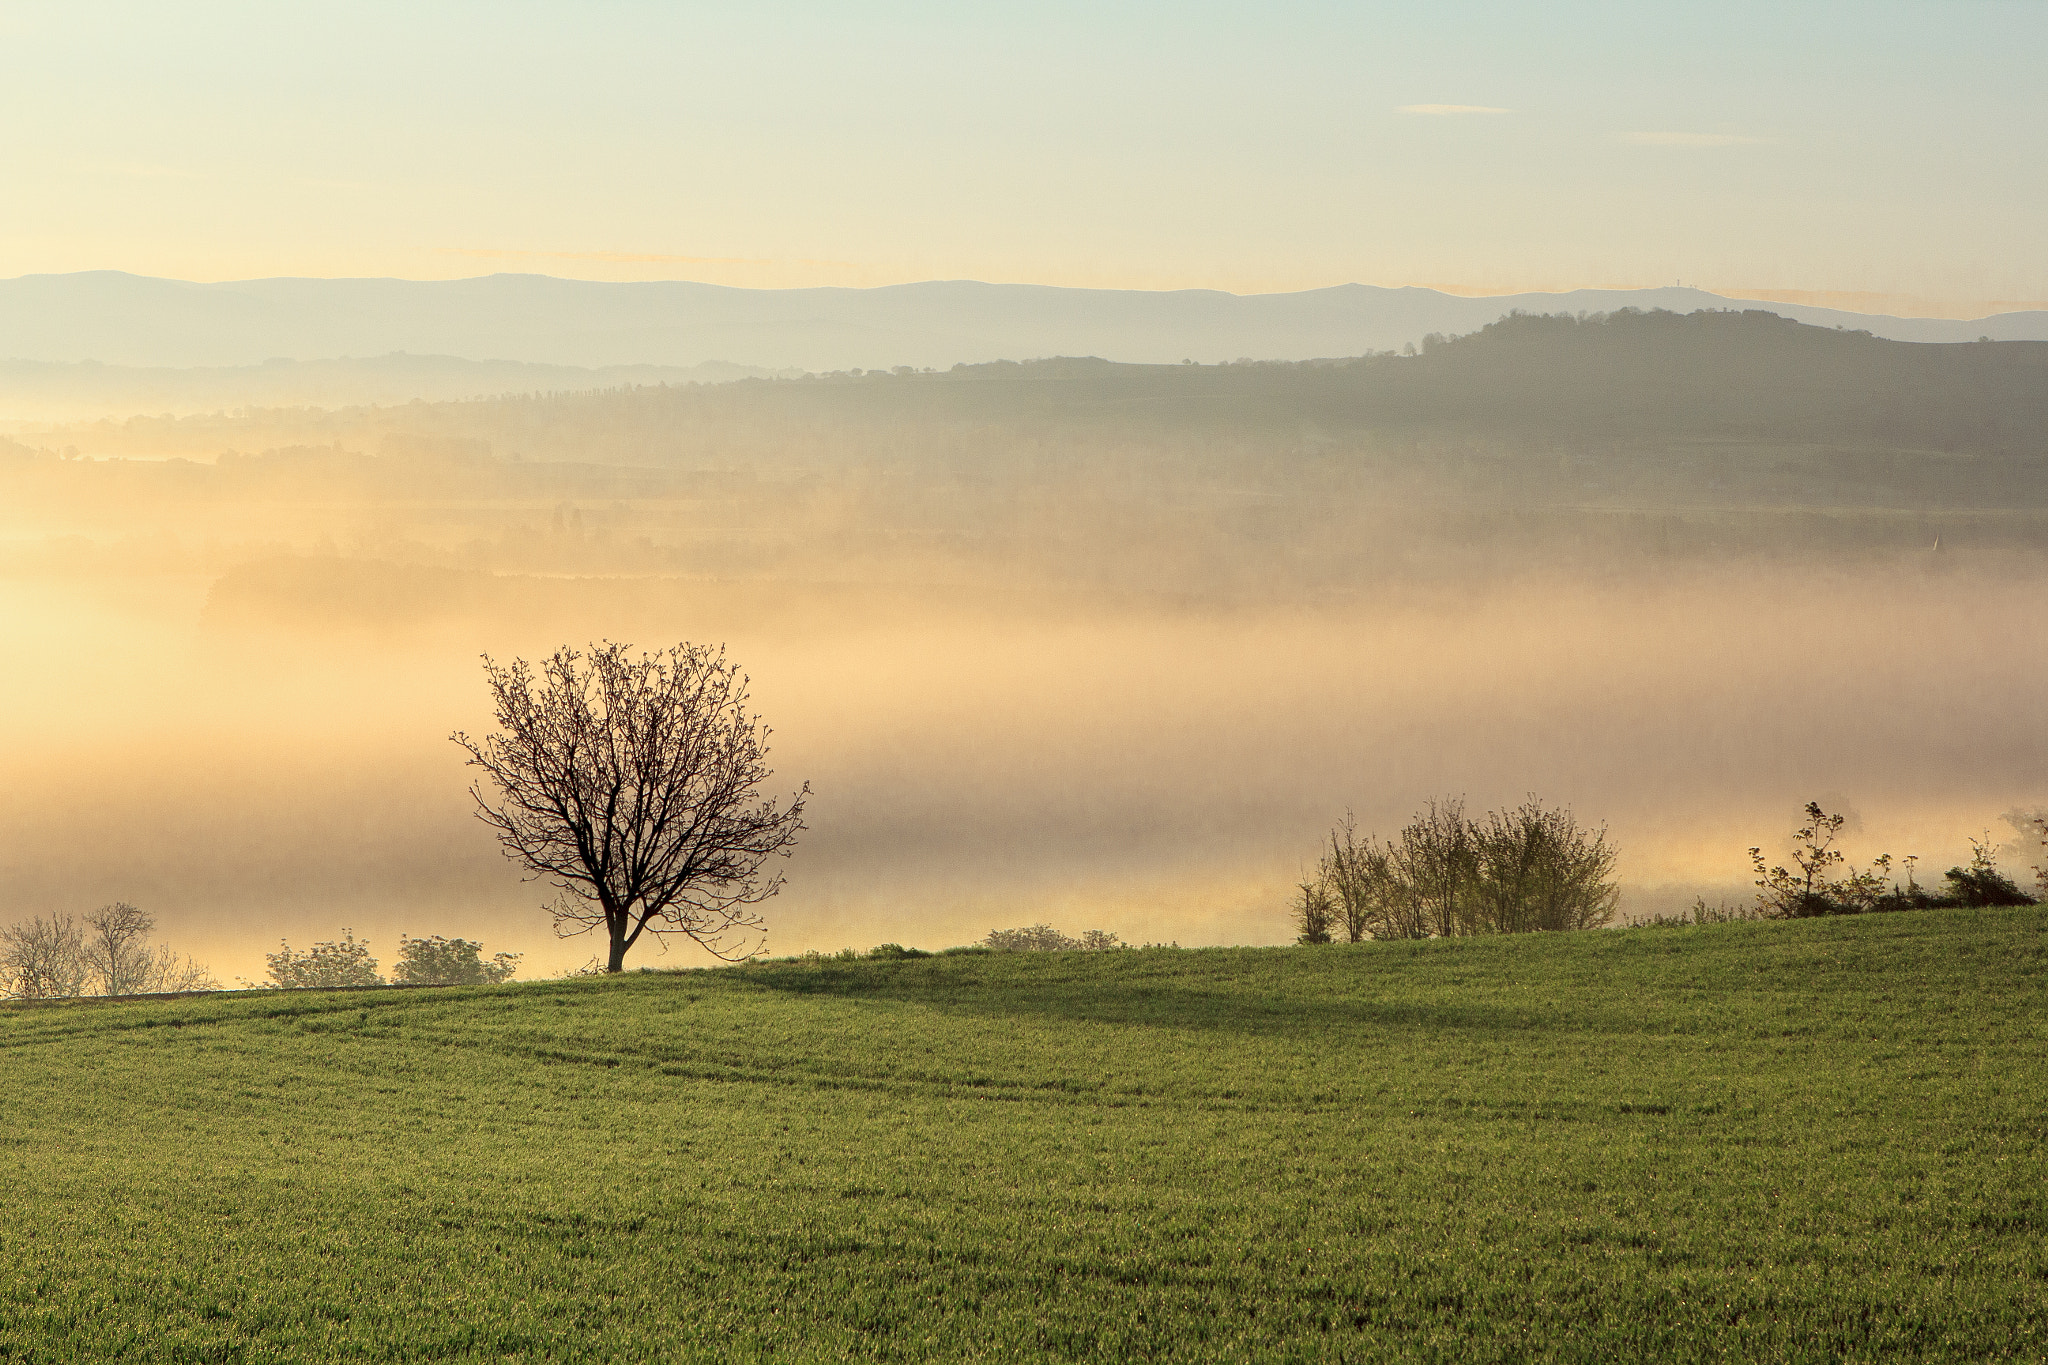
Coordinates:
1897	149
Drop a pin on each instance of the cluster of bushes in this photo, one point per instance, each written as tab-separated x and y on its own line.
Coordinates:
107	952
1822	882
346	961
1036	938
1043	938
1446	875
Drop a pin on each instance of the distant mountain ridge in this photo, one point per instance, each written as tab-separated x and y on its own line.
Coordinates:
121	319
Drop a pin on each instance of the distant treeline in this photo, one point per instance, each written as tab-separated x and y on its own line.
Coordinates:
1613	444
1751	376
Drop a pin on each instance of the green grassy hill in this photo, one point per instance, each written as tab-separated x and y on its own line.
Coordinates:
1807	1141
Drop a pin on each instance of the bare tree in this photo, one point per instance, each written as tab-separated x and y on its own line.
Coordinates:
42	959
119	960
632	786
107	954
1360	877
1437	865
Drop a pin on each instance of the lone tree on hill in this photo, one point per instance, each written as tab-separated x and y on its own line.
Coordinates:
632	785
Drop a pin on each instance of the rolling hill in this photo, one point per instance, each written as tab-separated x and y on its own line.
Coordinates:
1801	1141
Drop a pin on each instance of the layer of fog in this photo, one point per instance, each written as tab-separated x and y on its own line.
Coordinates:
1159	771
1049	644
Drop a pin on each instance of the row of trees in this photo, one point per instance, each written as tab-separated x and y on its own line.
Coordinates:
347	961
1446	875
106	952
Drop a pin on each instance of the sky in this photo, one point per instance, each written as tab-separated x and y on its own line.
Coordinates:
1881	156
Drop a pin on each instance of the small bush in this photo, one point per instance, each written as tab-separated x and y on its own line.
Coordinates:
1043	938
1315	911
441	961
344	962
1817	888
1981	883
893	952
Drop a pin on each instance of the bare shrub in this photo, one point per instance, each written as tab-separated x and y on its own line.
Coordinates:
42	959
1435	864
1517	871
106	952
1536	869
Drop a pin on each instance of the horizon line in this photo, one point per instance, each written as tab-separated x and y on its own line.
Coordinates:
1833	300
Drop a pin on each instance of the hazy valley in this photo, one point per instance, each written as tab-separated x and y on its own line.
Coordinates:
1068	640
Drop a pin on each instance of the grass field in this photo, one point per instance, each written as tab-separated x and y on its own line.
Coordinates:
1823	1140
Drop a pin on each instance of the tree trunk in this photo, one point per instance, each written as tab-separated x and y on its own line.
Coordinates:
617	962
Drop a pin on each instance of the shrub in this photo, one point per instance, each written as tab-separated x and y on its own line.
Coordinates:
1815	888
2032	826
1043	938
345	962
1520	870
1537	870
1981	883
439	961
1315	910
1360	879
42	959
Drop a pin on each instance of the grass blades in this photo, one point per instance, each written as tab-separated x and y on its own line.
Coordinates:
1804	1141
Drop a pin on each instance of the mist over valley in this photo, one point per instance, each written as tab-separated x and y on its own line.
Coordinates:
1068	640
